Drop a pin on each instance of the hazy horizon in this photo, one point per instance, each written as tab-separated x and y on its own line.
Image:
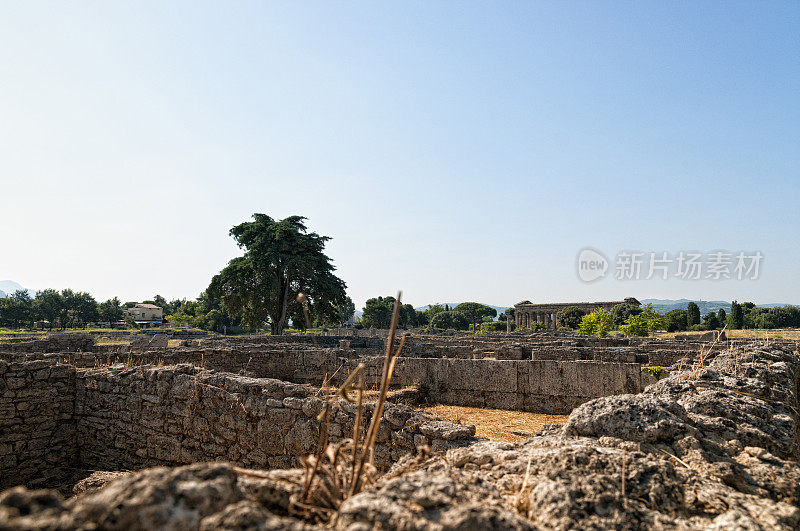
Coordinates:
452	150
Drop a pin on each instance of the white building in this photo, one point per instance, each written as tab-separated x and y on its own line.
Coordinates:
145	314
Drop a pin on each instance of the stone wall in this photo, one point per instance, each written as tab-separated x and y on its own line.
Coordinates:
56	342
37	431
542	386
55	420
137	417
300	365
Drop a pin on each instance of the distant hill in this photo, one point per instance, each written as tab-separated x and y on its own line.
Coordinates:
7	287
666	305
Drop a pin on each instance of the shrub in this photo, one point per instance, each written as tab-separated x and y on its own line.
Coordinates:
598	322
636	325
493	326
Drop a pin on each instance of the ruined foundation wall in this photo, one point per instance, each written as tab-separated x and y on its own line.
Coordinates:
37	428
301	365
543	386
133	418
555	387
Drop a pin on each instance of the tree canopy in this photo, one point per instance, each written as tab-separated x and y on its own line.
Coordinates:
450	319
475	311
281	259
570	317
675	320
692	314
377	313
621	312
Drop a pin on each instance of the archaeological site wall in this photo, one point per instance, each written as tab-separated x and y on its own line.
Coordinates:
37	428
56	419
184	414
544	386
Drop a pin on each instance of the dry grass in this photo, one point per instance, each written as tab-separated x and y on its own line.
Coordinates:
498	424
756	333
369	394
340	470
777	333
108	341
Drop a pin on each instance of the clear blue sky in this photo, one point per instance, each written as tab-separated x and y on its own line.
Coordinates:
456	150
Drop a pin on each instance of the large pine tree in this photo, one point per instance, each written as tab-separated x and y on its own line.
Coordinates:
281	259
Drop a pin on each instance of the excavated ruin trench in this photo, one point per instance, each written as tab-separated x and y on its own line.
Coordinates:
714	445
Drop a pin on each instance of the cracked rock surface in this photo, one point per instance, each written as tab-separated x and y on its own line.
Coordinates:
713	447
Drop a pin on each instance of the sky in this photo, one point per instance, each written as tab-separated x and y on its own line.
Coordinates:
454	150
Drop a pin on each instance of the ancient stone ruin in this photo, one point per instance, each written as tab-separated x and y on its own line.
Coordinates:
210	435
526	313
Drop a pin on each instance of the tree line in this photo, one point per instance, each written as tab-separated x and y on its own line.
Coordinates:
260	289
377	313
284	276
631	319
76	309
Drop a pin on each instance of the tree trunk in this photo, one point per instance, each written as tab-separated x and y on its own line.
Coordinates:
284	305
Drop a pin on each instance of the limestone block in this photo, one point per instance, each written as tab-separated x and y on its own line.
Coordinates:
301	438
500	400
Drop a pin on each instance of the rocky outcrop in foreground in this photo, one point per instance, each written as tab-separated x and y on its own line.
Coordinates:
714	447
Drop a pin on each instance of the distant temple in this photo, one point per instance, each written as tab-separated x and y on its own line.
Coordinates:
526	313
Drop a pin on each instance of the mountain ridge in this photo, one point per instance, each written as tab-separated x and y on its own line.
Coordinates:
8	287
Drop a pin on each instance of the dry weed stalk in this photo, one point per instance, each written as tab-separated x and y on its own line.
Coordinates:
341	470
700	362
522	499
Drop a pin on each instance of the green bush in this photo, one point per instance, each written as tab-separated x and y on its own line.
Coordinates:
493	326
636	325
598	322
